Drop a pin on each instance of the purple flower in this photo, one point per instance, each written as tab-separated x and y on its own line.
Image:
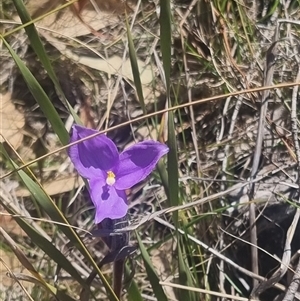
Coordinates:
110	173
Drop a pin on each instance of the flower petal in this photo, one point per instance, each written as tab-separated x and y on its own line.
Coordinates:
108	201
137	162
93	156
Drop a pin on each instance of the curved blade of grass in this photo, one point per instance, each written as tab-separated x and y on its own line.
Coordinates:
41	97
135	67
44	200
39	49
153	278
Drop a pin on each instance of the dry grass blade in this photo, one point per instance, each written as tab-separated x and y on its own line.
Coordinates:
281	271
206	292
268	79
294	285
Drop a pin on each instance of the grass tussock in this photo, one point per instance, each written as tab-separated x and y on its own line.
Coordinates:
217	81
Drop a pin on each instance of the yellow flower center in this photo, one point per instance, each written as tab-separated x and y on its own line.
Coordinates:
111	178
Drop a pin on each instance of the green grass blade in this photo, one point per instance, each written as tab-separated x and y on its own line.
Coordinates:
41	97
133	290
163	174
153	278
34	38
39	49
165	41
172	163
185	275
165	21
135	68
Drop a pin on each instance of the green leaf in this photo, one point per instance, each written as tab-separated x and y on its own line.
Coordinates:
153	278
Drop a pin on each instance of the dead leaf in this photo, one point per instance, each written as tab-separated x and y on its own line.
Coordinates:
115	65
75	21
11	121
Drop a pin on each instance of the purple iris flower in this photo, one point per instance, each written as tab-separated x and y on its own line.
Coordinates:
110	173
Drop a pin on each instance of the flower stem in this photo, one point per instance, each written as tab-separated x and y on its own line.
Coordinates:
116	243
